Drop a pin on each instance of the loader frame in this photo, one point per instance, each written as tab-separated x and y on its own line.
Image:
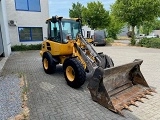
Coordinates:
113	87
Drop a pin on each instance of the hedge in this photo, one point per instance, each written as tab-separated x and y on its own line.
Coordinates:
149	42
26	47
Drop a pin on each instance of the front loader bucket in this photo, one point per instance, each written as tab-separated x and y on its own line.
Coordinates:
118	87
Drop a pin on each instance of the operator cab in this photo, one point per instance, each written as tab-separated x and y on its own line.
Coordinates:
61	30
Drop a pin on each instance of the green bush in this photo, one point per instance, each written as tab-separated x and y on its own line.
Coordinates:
109	40
150	42
133	41
26	47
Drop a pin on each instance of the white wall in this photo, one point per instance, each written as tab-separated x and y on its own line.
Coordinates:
4	28
26	19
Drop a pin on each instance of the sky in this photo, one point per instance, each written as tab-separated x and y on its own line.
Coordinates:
61	7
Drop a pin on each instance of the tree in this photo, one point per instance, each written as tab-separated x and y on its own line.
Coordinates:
76	11
134	12
156	26
95	15
114	27
149	26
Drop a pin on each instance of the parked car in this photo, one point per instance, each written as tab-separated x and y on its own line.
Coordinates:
99	37
140	36
152	36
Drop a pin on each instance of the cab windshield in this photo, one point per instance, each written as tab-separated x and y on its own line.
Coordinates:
70	28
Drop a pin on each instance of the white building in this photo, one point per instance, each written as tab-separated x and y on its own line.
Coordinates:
4	34
22	22
87	32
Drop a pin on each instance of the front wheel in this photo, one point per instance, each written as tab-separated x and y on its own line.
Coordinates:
108	61
94	44
74	72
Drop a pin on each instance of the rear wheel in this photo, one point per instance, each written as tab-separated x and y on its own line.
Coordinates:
74	72
49	65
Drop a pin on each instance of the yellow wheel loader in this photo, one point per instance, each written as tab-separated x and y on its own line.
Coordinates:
113	87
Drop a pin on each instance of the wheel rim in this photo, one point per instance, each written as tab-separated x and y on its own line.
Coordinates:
45	63
70	73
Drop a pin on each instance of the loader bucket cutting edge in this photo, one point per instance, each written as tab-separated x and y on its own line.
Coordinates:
118	87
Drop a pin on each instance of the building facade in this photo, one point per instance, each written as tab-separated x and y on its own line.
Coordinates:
24	21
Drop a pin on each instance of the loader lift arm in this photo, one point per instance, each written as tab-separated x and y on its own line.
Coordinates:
98	61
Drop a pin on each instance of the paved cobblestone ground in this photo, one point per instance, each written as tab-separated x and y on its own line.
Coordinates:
10	97
50	98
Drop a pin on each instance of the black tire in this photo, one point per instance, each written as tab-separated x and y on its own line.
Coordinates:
74	72
108	61
49	65
94	44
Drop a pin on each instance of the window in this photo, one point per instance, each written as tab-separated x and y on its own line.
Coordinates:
55	32
70	28
29	34
88	34
28	5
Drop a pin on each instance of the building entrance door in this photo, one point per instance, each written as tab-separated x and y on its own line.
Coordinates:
1	43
